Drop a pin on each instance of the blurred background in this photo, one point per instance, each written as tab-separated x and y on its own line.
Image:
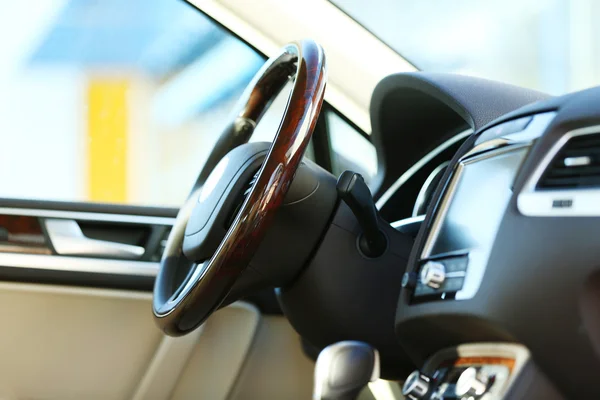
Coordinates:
548	45
120	101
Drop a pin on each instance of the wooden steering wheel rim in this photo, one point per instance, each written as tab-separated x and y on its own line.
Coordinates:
204	293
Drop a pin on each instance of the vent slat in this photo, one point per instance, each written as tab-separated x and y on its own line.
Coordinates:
558	176
583	142
572	182
574	171
592	152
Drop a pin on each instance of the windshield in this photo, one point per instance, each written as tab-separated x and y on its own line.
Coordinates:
548	45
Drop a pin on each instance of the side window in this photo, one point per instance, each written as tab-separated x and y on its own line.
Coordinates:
122	101
116	101
350	149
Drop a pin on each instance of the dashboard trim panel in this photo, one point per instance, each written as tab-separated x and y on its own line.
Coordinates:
490	143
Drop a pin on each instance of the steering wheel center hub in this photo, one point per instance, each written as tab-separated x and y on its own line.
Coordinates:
221	196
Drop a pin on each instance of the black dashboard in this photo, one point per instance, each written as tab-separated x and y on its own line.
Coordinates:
501	295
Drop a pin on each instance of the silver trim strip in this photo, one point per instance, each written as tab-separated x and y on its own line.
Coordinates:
477	258
423	192
79	264
89	216
558	203
577	161
455	274
418	165
505	144
408	221
450	191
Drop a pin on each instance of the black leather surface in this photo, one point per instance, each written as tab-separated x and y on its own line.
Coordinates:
412	113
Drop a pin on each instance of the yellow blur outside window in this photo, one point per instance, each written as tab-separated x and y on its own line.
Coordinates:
114	101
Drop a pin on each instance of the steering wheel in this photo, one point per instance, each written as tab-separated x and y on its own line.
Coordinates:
182	303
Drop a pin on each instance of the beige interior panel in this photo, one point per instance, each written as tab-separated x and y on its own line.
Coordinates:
276	367
76	343
166	366
65	343
220	354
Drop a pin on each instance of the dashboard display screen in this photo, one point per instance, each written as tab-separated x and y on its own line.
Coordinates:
483	188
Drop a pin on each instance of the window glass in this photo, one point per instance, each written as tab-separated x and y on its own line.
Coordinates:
350	150
115	101
548	45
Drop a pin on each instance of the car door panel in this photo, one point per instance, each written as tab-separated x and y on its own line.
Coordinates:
80	326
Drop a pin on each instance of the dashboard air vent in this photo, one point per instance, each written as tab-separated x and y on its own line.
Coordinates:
577	165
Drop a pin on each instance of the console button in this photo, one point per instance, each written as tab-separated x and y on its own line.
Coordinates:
433	274
454	284
471	383
456	264
416	386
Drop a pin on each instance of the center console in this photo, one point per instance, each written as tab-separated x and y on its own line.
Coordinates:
508	256
448	267
487	371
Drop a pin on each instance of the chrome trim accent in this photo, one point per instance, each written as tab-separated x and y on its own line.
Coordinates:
196	274
418	165
477	259
543	203
79	264
67	238
442	208
408	221
534	129
471	383
416	385
455	274
423	192
577	161
482	150
89	216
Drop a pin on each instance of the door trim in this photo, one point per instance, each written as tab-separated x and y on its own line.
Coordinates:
79	264
89	216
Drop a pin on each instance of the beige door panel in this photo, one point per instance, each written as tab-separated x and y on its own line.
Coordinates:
276	367
76	343
70	343
219	355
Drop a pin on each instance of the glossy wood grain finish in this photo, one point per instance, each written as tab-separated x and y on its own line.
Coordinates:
22	234
306	62
251	106
469	361
20	225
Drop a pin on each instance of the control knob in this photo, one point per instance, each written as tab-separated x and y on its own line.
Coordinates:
471	383
416	386
433	274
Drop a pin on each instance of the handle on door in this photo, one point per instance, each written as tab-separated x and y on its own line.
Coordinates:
68	239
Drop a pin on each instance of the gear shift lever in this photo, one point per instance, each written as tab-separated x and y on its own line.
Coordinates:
343	369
